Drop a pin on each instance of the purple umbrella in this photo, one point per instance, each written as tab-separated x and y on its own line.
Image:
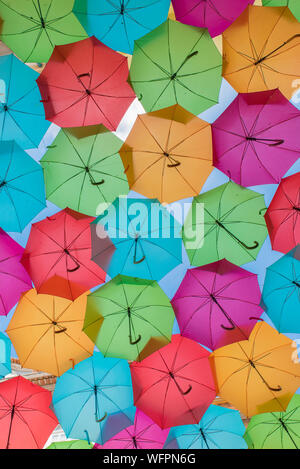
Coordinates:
256	140
217	304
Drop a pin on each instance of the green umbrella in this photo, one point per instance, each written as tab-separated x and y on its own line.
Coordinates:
81	173
294	5
31	28
71	444
166	69
129	318
226	222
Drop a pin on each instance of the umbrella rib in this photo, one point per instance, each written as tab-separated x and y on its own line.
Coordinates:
14	207
198	94
17	12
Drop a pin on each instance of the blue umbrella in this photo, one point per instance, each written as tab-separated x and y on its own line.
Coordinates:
22	116
219	428
94	401
5	349
117	23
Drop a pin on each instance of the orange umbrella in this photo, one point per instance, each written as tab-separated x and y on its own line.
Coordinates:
257	375
168	154
46	332
261	51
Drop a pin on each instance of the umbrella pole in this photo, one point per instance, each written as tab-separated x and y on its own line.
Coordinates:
130	328
288	432
184	393
256	244
279	388
277	49
214	299
204	438
10	425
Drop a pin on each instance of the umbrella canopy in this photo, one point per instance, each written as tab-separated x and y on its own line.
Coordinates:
168	154
118	24
281	292
219	428
217	304
5	351
46	332
129	318
257	375
22	191
255	139
261	51
26	419
174	386
215	15
22	116
293	5
71	444
283	215
146	239
14	279
58	255
92	91
31	28
91	163
94	401
166	70
232	225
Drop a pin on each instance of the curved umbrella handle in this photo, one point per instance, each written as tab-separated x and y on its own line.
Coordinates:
174	165
228	328
103	418
256	244
138	262
279	388
83	75
73	362
184	393
60	331
135	341
254	318
74	270
97	183
262	210
87	437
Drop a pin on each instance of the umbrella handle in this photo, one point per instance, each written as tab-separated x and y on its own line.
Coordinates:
74	270
262	209
97	183
135	341
103	418
255	318
228	328
83	75
138	262
51	218
60	331
184	393
51	146
87	437
279	388
174	165
73	362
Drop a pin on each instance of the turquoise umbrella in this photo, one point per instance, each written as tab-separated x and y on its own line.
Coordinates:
5	351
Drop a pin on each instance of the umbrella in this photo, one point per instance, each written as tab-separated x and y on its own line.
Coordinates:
94	401
22	116
146	239
261	51
84	83
71	444
257	375
14	279
283	215
31	28
281	292
215	15
217	304
166	70
293	5
46	332
174	386
58	255
5	351
26	419
219	428
22	192
232	225
117	24
255	139
129	318
91	164
168	154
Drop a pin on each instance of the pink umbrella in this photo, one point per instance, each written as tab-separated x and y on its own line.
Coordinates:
256	140
14	279
217	304
143	434
215	15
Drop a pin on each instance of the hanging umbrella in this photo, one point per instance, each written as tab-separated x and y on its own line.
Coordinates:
232	226
219	428
283	215
5	352
257	375
22	192
174	386
94	401
168	154
91	164
261	51
255	139
14	279
71	444
129	318
293	5
31	28
217	304
22	116
215	15
58	255
146	239
118	24
166	70
84	83
25	416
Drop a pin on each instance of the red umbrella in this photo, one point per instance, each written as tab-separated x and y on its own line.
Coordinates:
174	386
85	83
26	421
283	215
58	255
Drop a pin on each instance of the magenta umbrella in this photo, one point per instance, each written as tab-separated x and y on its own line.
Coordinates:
256	140
217	304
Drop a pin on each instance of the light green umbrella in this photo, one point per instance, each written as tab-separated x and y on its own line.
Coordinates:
71	444
294	5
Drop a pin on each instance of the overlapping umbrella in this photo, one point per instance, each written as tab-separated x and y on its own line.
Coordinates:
5	352
293	5
71	444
